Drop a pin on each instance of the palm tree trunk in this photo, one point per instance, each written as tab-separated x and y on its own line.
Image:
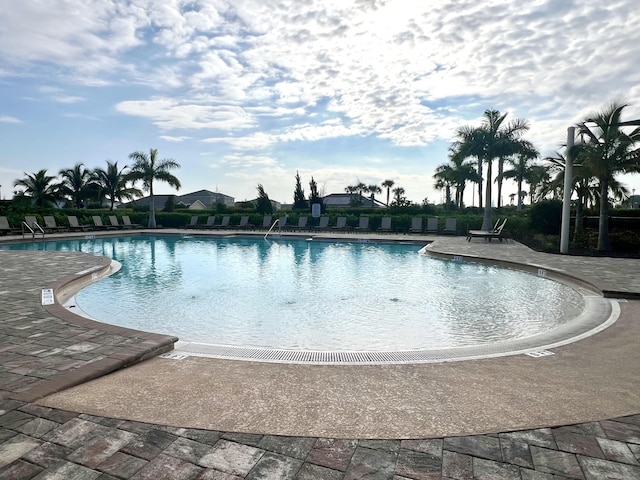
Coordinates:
500	170
577	229
519	196
487	222
152	208
603	223
480	183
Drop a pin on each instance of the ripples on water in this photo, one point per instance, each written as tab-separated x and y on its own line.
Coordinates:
296	294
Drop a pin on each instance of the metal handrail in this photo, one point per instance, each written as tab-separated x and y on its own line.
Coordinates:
32	230
272	227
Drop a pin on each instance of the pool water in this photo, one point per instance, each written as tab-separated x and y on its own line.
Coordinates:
314	295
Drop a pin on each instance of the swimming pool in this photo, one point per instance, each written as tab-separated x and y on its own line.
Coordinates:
316	296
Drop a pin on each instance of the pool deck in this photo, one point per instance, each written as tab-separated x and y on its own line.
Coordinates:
572	414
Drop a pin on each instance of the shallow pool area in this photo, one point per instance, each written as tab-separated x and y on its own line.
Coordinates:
302	295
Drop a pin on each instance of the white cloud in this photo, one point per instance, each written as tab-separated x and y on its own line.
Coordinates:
8	119
170	114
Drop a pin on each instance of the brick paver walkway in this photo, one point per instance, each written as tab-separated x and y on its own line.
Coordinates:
41	352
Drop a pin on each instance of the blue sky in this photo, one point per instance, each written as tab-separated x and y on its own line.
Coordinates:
250	91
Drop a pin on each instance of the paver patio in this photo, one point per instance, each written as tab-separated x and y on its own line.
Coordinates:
41	352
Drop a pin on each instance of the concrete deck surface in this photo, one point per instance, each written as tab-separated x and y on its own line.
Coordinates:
316	421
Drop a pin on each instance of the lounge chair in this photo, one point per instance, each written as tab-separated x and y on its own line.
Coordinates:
266	222
50	225
450	226
302	224
432	225
113	220
126	221
193	223
225	222
363	224
488	235
244	223
282	222
385	224
75	226
416	225
211	222
98	225
341	223
6	229
323	223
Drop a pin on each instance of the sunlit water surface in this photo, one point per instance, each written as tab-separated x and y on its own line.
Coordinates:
312	295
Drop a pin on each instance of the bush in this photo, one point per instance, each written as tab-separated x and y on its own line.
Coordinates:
546	217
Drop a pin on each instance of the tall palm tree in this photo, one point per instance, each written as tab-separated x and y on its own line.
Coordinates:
520	172
607	151
113	184
76	183
147	168
388	184
456	173
398	197
40	187
491	140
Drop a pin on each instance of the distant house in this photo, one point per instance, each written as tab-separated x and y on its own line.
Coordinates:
202	199
344	200
274	205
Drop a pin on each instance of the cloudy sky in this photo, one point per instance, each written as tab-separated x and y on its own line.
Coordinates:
242	92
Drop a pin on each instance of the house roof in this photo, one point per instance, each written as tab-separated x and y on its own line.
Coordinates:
345	200
205	197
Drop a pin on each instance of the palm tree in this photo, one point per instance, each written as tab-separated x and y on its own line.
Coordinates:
373	189
148	168
388	184
607	151
40	187
444	181
398	197
520	172
490	141
76	183
113	184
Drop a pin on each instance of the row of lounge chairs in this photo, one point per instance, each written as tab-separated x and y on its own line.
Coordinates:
49	224
341	223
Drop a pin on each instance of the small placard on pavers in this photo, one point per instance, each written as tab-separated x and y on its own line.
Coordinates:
174	356
47	296
540	353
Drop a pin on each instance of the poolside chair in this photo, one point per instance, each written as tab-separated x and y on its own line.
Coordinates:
113	220
302	224
211	222
282	222
193	223
223	224
323	223
126	221
75	226
363	224
432	225
416	225
244	223
51	226
488	235
266	221
98	225
450	226
385	224
6	229
341	223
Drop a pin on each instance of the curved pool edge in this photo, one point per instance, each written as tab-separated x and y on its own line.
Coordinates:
151	345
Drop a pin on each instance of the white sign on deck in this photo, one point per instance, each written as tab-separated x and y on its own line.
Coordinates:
47	296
